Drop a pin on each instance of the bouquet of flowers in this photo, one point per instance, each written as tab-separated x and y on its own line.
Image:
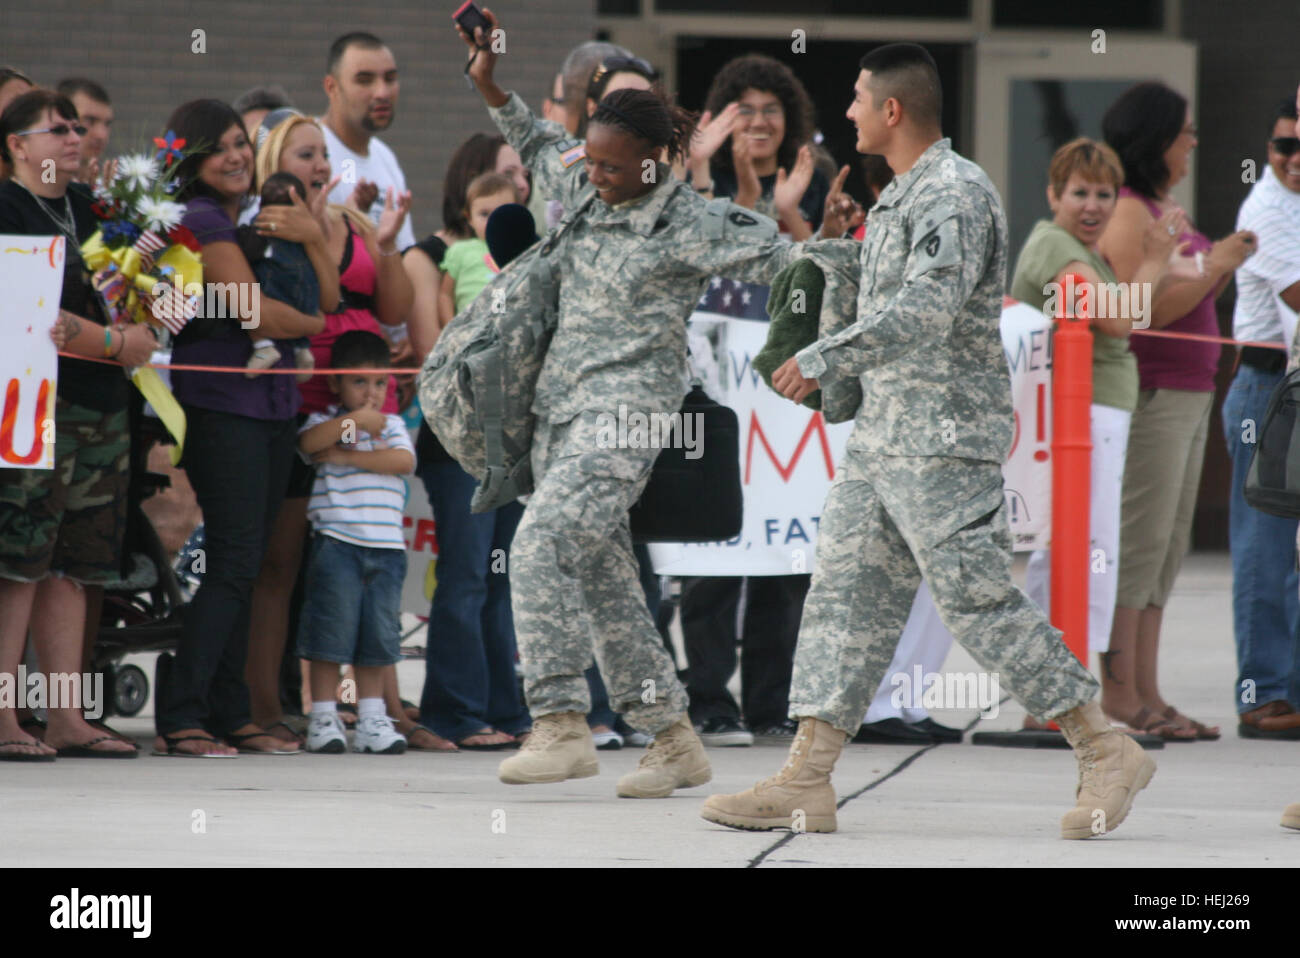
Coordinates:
143	263
141	259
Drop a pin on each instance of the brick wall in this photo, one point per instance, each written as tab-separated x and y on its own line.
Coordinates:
141	52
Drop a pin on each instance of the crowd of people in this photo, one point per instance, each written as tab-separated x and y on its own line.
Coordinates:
301	484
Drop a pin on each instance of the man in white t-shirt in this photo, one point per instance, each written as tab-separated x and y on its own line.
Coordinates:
1266	607
362	85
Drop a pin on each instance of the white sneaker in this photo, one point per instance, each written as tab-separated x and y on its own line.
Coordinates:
375	733
607	741
325	733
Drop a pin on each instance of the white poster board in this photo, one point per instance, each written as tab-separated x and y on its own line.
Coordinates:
31	284
788	453
788	457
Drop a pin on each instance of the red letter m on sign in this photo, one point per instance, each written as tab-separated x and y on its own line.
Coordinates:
815	424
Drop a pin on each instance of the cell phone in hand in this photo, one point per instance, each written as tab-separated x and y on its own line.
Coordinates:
469	17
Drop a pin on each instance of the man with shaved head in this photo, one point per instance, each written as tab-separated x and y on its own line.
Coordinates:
919	490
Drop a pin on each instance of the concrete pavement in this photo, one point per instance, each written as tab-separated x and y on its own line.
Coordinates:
1211	803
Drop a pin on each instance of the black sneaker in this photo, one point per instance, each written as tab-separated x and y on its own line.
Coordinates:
776	733
723	733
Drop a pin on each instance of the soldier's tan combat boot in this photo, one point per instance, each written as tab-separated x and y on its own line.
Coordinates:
798	797
559	747
1112	770
1291	816
675	759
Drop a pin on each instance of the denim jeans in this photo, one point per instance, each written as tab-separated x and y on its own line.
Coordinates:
353	610
1265	604
239	468
469	681
768	635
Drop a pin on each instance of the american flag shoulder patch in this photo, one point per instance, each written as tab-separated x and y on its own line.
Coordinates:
571	151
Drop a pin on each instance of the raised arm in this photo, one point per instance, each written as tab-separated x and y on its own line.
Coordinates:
543	146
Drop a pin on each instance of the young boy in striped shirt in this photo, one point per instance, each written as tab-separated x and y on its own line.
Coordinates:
358	555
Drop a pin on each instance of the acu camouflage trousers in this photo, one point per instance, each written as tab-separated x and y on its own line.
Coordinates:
574	583
888	521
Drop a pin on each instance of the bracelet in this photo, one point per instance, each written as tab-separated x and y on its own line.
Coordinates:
393	253
108	341
121	343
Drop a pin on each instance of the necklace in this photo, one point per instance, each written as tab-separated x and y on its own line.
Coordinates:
67	224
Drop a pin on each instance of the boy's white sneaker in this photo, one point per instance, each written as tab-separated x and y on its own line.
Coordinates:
375	733
325	733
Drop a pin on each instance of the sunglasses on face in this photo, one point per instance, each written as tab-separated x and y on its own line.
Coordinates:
61	130
1286	145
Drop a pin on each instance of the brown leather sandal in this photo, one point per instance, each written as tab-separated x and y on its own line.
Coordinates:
1207	733
1153	724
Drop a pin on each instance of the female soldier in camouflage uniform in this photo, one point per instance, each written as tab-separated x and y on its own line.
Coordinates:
633	265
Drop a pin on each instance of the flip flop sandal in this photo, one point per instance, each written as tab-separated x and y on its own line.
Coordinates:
87	750
1152	724
496	747
173	752
410	741
238	742
32	722
288	728
23	756
114	733
1203	732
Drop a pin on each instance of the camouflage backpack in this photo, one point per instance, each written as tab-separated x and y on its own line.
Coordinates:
477	386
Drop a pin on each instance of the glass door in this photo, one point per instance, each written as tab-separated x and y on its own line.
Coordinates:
1032	96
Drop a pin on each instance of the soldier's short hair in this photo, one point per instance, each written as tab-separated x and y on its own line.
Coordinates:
1095	162
906	72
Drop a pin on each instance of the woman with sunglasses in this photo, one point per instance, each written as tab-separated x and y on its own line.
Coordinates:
61	528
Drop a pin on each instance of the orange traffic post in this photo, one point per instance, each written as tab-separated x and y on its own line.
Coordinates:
1072	464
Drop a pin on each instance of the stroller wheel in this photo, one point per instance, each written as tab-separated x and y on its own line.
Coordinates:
130	690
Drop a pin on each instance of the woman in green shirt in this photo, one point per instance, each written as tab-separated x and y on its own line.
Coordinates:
1083	187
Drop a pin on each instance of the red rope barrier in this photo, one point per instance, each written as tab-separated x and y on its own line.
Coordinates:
1197	337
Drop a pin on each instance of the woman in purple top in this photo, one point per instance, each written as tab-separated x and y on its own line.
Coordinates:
239	440
1151	128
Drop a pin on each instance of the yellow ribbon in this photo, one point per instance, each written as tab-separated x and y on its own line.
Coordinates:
188	272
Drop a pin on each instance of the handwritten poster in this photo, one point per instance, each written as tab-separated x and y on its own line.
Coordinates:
31	276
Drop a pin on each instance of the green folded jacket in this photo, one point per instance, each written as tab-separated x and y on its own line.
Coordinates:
795	306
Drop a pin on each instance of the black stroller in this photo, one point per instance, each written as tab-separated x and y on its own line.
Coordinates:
143	612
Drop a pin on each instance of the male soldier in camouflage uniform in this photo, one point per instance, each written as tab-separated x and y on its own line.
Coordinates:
919	491
632	266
